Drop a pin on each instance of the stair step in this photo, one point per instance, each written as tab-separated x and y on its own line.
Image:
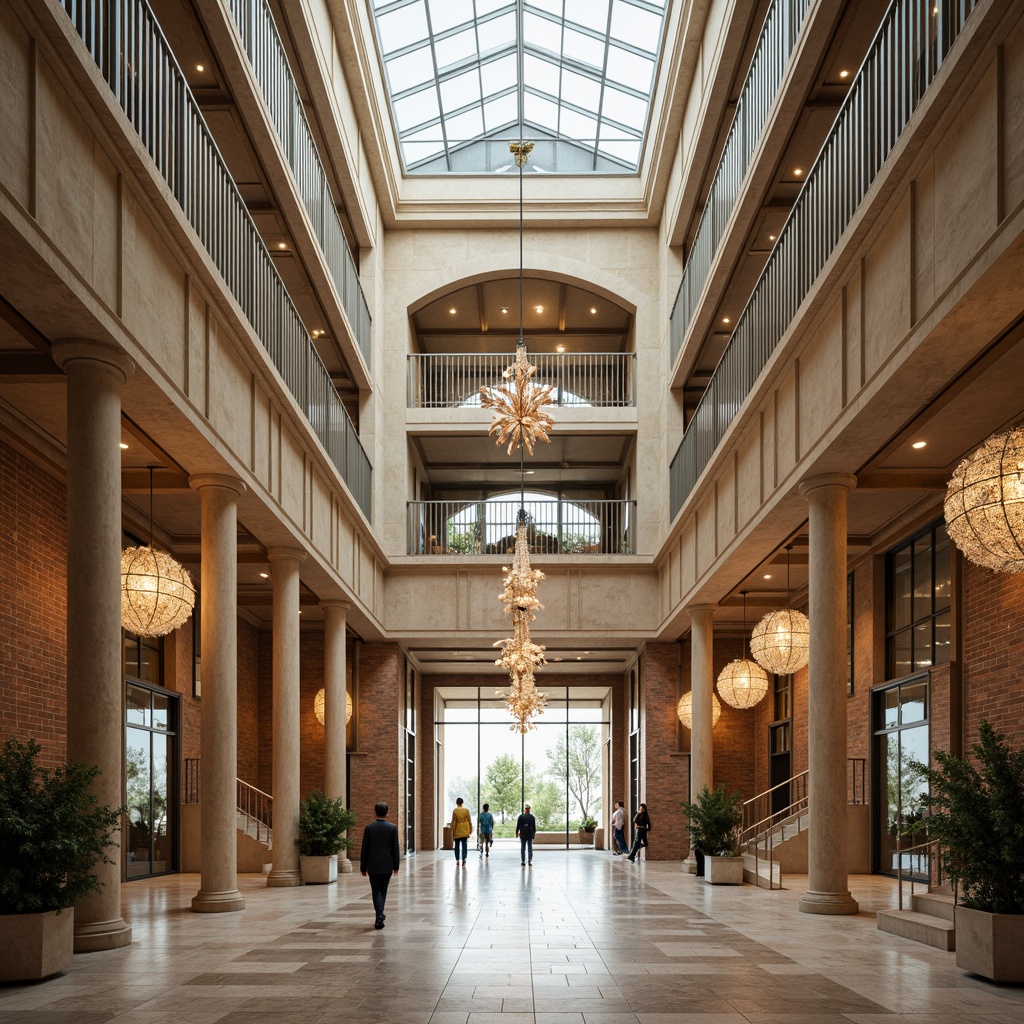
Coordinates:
911	924
938	904
760	872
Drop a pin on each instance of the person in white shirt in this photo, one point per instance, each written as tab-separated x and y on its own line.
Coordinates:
619	845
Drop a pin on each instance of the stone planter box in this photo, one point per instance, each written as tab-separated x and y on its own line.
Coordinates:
723	870
990	944
36	945
319	870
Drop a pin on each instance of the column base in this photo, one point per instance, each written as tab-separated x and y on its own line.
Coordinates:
225	902
93	936
690	865
285	877
344	866
830	903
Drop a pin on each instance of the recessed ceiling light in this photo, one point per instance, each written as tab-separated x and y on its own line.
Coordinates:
300	611
771	238
540	309
199	67
578	658
559	348
726	320
767	576
530	472
586	652
123	446
844	73
504	309
919	444
798	171
282	245
453	311
593	309
556	659
264	575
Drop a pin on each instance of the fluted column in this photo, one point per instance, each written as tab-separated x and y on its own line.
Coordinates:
218	789
286	787
702	685
335	706
827	887
95	688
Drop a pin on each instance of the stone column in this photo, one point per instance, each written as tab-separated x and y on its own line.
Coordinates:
702	686
827	891
218	787
335	706
95	686
286	786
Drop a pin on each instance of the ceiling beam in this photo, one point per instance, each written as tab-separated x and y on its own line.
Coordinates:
902	480
28	364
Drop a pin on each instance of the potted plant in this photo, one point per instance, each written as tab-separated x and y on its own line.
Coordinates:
52	834
712	823
588	824
323	823
976	812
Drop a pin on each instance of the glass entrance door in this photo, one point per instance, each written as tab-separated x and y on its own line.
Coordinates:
149	845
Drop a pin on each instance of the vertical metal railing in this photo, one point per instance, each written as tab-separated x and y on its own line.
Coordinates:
191	792
451	381
129	48
257	808
488	527
858	792
902	62
268	59
782	26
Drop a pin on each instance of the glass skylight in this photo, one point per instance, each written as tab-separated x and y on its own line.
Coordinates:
452	69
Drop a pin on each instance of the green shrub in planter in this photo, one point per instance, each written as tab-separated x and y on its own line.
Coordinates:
976	812
52	832
323	823
713	820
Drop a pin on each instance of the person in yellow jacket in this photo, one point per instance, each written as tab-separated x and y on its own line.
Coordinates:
462	829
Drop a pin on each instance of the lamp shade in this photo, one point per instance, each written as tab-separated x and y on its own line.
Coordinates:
157	594
684	709
985	503
742	683
318	706
781	642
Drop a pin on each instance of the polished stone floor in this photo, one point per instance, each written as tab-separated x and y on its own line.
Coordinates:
579	938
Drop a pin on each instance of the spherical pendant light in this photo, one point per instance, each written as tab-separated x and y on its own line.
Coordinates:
781	642
157	594
985	503
684	709
318	707
742	683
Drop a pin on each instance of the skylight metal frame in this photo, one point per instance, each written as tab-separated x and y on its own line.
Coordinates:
453	115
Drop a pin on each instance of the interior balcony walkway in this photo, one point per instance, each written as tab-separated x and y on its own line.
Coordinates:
580	938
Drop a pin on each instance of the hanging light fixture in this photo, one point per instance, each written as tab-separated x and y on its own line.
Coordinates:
984	503
318	706
684	709
781	641
519	418
743	683
157	593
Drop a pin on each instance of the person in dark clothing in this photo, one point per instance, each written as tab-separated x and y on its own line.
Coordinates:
642	825
379	859
526	829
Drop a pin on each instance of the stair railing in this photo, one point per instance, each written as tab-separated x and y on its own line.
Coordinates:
761	823
258	808
930	852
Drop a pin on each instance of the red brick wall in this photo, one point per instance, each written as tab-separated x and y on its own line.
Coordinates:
248	640
33	606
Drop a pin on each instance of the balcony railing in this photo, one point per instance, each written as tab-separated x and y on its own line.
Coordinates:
579	378
913	40
489	527
129	48
262	43
779	34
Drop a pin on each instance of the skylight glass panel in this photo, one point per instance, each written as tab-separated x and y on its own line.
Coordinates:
403	27
452	68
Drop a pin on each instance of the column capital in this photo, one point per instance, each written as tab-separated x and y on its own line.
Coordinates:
711	607
286	554
345	606
73	350
197	481
845	480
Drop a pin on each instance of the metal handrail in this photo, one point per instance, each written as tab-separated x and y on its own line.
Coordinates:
268	59
258	808
557	526
900	851
454	380
775	45
128	46
756	823
901	63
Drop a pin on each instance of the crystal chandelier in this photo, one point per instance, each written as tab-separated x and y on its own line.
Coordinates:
781	641
684	709
742	683
157	593
984	503
519	418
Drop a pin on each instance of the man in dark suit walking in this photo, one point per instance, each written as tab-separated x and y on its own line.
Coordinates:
526	829
379	858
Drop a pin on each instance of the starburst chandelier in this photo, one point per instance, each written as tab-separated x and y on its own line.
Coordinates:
781	641
157	593
519	419
742	683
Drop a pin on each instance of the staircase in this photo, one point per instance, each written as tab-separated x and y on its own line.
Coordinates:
928	918
255	836
764	830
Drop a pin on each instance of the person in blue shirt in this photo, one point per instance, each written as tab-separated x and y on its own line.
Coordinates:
485	826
